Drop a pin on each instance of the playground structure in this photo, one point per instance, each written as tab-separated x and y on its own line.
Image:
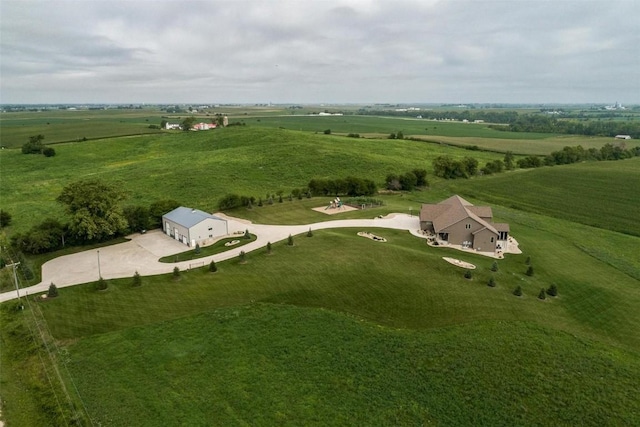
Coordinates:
335	204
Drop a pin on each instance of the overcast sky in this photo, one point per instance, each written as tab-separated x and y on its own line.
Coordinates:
312	51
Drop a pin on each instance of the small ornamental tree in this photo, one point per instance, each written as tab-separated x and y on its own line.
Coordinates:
101	284
309	233
542	294
492	282
247	235
553	290
213	267
53	291
269	247
290	240
137	280
176	273
529	271
48	152
197	249
494	267
468	275
242	257
5	218
518	291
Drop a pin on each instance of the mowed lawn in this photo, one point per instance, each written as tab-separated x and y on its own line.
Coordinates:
265	365
443	342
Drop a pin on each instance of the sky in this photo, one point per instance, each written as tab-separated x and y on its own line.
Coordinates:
320	51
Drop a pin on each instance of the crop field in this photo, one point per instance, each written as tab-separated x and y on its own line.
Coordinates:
601	194
60	125
386	125
338	329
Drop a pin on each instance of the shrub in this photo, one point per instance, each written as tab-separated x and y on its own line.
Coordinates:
529	271
518	291
34	146
53	291
528	261
176	273
247	235
494	266
492	282
468	274
5	218
137	280
290	240
268	247
309	233
552	291
542	294
213	267
230	201
327	131
197	249
101	284
242	257
48	152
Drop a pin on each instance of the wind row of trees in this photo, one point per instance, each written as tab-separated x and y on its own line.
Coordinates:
407	181
95	214
546	124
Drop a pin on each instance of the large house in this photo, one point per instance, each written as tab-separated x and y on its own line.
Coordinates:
193	226
456	221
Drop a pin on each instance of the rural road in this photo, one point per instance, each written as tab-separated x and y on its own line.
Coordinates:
143	251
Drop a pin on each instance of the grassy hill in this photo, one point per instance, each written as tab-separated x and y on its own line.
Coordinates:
197	169
337	329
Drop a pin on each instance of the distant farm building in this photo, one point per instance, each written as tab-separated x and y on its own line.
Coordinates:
456	221
623	136
171	125
203	126
193	226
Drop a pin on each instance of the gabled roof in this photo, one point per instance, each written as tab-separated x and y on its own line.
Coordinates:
188	217
453	210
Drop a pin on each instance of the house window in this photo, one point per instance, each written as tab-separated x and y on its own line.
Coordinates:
210	228
468	226
492	240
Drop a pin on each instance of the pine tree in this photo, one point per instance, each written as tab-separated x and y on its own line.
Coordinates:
269	247
197	250
542	294
53	291
247	235
309	233
137	280
528	261
242	257
176	273
468	274
529	271
101	284
213	267
492	282
494	267
518	291
290	240
553	290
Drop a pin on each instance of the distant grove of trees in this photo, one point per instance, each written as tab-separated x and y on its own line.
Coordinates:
546	124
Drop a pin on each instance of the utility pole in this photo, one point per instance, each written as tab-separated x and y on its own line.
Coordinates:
99	273
15	280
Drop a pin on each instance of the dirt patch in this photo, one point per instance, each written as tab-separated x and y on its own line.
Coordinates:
333	211
459	263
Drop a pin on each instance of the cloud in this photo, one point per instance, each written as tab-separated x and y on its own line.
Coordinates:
319	51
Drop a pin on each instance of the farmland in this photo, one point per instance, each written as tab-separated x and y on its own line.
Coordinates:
338	329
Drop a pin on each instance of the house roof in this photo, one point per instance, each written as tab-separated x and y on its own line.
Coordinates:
456	209
188	217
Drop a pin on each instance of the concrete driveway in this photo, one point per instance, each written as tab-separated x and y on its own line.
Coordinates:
143	251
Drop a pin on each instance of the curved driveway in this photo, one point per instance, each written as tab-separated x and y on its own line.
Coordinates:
142	253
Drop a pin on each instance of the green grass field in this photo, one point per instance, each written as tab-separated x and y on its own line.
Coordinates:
602	194
197	169
339	329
